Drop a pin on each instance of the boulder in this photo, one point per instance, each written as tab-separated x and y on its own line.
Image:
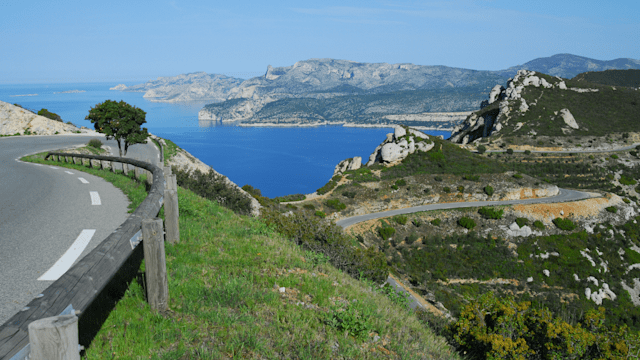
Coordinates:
391	152
399	132
523	106
562	85
531	80
569	119
495	93
356	163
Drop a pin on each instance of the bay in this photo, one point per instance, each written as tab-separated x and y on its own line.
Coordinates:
278	161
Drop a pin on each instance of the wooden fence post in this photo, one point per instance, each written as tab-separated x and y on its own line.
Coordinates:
54	338
155	264
171	216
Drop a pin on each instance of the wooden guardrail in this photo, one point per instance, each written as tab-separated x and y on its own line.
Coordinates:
87	288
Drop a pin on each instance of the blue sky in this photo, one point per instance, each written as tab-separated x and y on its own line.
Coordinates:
135	41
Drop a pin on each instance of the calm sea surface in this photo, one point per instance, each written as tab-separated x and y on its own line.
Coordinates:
278	161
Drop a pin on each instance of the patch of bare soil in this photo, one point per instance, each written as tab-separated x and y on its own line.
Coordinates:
588	208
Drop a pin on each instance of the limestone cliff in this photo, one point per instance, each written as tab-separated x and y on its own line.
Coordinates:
16	120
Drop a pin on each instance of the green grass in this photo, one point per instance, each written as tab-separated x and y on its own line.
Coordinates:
224	302
169	151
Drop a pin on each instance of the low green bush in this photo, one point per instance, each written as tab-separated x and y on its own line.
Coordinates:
386	232
436	222
522	221
517	176
612	209
564	224
95	143
400	219
291	197
491	213
538	225
527	152
335	204
53	116
349	194
320	214
460	188
309	207
417	222
426	191
625	180
437	178
446	189
482	149
466	222
401	182
394	187
488	190
471	177
314	234
614	156
214	187
411	238
510	151
327	187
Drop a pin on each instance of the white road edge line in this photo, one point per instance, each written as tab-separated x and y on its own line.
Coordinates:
69	172
64	263
84	181
53	167
95	198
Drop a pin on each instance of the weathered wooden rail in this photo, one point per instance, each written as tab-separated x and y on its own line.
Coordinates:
97	280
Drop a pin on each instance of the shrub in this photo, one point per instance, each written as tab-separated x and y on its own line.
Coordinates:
417	222
471	177
336	204
214	187
491	213
564	224
320	214
460	188
527	152
510	151
446	189
95	143
614	156
437	178
401	182
626	201
466	222
325	237
394	187
386	232
426	191
355	320
349	194
488	190
538	225
411	238
327	187
291	206
400	219
625	180
482	149
53	116
517	176
612	209
291	197
309	207
591	157
522	221
436	222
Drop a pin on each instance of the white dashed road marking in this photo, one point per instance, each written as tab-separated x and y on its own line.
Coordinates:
53	167
95	198
37	164
69	172
64	263
84	181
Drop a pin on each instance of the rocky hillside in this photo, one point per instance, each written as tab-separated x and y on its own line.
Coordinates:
319	90
534	104
198	86
16	120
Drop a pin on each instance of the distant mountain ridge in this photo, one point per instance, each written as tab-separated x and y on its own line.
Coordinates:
318	91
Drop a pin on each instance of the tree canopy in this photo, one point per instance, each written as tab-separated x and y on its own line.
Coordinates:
119	121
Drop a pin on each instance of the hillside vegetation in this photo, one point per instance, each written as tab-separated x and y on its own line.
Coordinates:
628	78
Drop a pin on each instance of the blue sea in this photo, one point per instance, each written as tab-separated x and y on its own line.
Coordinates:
278	161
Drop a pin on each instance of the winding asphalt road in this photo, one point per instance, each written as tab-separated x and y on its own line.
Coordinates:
564	195
49	215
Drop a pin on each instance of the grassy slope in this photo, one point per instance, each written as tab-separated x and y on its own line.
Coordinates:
629	78
224	304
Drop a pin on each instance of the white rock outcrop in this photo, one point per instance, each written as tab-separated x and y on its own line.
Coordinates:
16	120
569	119
495	93
399	144
354	163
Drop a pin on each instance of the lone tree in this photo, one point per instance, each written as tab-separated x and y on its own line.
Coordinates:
119	121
